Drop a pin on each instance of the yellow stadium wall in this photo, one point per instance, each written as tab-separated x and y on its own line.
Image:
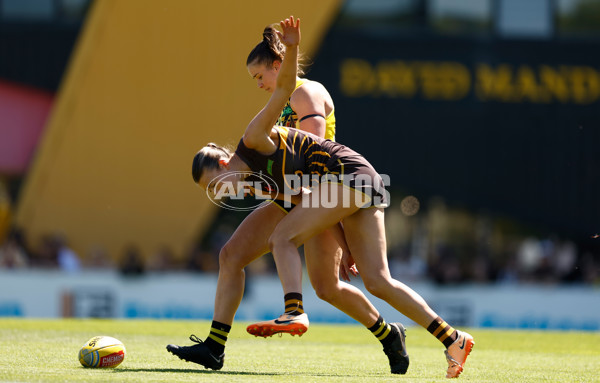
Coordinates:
149	83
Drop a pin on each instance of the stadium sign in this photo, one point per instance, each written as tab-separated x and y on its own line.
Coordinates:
453	81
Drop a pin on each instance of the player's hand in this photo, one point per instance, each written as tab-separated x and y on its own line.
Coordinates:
291	32
347	267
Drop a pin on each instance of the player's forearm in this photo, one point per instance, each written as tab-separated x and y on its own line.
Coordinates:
337	231
286	78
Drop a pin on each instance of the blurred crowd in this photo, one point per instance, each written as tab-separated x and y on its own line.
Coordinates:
452	245
54	252
440	244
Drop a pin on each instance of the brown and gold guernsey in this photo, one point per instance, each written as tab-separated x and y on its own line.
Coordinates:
301	153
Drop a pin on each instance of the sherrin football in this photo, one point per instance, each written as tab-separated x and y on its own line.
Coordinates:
102	352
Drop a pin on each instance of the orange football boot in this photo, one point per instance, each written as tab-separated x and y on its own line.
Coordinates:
457	353
286	323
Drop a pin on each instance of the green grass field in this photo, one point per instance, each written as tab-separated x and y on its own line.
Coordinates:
46	351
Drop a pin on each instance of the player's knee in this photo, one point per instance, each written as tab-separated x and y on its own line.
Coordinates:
230	259
379	287
273	240
278	242
327	292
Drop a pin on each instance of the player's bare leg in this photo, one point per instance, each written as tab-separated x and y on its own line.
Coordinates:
366	239
248	242
305	223
323	270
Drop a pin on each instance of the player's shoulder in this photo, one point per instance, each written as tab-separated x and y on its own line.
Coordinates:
311	85
310	89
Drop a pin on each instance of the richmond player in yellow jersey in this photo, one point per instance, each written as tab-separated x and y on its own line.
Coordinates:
309	108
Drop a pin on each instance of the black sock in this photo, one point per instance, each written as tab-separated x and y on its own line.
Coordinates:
217	337
383	331
293	304
443	331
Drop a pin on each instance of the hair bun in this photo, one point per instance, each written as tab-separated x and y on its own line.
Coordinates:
269	34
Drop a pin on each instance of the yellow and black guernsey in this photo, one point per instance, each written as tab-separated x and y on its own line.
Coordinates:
302	156
289	118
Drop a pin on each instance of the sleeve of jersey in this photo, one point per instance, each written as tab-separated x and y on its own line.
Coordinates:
244	153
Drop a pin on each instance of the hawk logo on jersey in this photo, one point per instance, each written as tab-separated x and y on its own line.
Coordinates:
288	117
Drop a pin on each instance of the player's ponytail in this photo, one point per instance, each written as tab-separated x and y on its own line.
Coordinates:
271	41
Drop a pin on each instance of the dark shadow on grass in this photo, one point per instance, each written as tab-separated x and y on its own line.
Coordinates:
249	373
192	371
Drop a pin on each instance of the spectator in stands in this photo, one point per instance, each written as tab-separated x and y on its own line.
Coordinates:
163	260
98	259
67	259
12	252
132	263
